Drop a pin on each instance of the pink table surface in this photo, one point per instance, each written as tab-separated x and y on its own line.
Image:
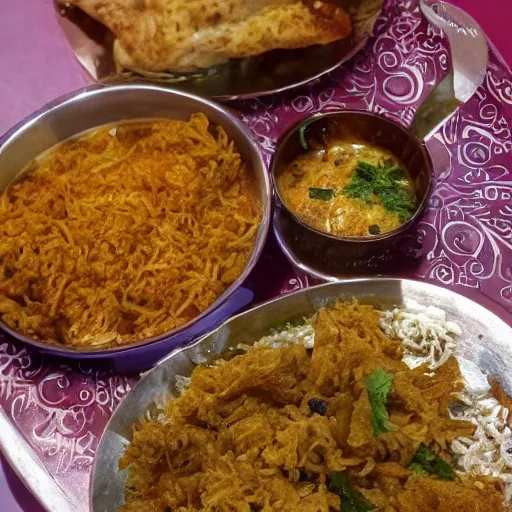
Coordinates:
38	66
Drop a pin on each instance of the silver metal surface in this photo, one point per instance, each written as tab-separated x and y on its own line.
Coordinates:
485	342
284	230
31	471
469	57
99	105
268	73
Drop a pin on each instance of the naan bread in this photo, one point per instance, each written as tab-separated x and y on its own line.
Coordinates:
170	35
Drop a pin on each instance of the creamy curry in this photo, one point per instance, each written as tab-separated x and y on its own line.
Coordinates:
348	188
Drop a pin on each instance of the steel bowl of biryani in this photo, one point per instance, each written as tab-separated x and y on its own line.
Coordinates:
349	184
127	215
355	396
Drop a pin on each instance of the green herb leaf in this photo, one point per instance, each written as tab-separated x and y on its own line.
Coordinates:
384	182
359	188
417	468
303	140
399	202
426	461
322	194
302	136
302	132
379	384
351	499
293	322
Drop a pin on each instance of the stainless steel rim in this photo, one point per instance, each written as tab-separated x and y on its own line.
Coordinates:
484	335
96	89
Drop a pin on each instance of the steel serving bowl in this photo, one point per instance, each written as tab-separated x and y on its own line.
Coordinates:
328	252
99	105
484	343
329	257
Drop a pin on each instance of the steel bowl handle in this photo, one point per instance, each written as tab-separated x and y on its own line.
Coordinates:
469	57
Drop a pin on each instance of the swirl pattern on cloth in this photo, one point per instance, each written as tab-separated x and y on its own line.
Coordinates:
61	410
464	240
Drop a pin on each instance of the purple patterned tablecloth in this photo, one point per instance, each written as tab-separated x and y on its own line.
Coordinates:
463	242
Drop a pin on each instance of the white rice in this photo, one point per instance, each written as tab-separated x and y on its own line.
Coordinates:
425	333
181	383
289	334
486	452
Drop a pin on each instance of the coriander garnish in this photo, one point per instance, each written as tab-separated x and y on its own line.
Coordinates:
383	182
378	384
322	194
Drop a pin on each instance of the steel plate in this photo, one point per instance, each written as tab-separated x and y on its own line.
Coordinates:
485	346
268	73
94	106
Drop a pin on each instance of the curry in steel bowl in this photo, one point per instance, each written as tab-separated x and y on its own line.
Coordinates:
344	185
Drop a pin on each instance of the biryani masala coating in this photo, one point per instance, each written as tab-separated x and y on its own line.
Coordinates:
125	233
244	437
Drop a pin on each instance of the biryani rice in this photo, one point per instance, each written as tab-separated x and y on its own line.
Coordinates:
242	434
125	233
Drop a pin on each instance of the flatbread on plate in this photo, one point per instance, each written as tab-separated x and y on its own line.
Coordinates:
183	35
